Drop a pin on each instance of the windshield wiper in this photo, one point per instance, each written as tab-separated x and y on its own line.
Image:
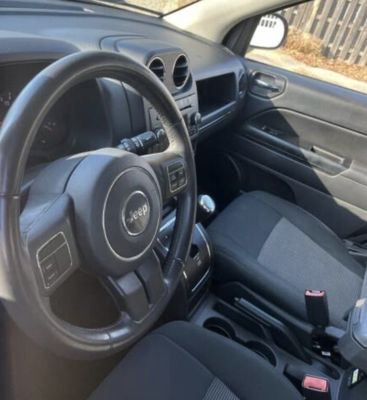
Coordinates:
119	4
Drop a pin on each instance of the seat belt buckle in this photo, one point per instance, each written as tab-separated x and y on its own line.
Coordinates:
317	308
316	388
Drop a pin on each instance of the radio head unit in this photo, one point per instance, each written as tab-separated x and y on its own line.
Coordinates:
188	105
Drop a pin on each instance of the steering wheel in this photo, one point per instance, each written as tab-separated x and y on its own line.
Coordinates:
99	210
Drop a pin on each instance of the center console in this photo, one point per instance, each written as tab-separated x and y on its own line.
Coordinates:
197	270
198	267
314	375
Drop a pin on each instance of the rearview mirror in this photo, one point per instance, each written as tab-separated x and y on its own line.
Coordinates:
270	33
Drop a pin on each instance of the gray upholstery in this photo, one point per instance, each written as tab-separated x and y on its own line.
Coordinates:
279	250
219	391
181	361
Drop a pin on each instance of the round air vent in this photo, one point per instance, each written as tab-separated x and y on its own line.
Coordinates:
156	65
181	71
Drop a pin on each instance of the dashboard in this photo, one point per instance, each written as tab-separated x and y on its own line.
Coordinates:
206	80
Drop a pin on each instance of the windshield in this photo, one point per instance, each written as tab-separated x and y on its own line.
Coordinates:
160	6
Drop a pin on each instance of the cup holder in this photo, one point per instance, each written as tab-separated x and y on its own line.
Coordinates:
220	326
223	328
263	351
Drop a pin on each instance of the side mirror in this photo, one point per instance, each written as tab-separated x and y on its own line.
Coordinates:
270	33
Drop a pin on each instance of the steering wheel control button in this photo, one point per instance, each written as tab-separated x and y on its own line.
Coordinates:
50	271
176	176
51	246
54	259
136	213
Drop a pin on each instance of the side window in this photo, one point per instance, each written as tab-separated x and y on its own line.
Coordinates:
326	40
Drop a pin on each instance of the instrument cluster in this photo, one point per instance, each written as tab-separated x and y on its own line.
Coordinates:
77	123
54	130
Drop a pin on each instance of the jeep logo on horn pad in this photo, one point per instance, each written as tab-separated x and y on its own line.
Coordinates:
136	213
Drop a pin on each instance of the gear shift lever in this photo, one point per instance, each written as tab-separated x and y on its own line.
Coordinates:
205	209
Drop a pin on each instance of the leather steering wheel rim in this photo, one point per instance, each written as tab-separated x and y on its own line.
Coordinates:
20	290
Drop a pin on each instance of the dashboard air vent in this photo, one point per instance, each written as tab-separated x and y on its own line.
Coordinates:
181	71
156	65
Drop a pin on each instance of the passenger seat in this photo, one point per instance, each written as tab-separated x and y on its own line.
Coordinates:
279	250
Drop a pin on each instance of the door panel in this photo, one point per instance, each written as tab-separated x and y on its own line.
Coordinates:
311	137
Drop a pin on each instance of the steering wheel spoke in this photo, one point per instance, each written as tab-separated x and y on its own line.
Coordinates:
47	231
171	171
138	292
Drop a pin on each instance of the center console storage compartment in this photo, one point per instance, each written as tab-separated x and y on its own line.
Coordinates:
215	93
217	99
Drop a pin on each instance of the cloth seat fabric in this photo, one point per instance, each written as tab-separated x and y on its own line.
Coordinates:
279	250
181	361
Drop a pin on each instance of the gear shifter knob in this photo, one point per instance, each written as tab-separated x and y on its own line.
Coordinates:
206	208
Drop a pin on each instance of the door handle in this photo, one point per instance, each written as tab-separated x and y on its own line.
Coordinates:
265	85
